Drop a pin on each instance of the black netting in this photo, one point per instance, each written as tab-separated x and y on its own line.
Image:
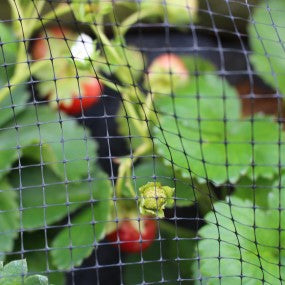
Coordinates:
142	142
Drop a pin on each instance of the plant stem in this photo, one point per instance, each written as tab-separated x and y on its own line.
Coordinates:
136	117
106	43
148	109
37	11
127	94
61	10
126	164
110	84
17	13
14	9
133	18
114	26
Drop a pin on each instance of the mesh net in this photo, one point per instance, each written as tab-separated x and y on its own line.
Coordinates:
142	142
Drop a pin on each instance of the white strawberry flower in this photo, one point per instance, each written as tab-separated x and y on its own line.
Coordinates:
83	48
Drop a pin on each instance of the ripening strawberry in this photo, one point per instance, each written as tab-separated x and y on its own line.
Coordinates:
166	72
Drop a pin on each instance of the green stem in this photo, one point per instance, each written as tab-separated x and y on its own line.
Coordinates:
126	164
114	26
133	18
14	9
106	42
127	94
16	13
34	14
110	84
29	10
61	10
135	116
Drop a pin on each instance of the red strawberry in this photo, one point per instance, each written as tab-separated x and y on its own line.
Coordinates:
133	238
91	93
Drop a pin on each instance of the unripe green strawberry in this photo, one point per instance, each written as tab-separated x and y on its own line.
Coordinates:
154	198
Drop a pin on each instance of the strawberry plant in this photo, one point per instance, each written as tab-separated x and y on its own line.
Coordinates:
68	70
188	141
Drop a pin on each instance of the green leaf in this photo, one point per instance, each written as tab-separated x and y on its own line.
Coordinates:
266	137
160	260
267	35
239	239
76	242
39	262
47	199
59	143
257	191
14	273
206	135
208	97
17	98
181	12
8	52
155	171
198	65
36	280
8	56
9	218
191	131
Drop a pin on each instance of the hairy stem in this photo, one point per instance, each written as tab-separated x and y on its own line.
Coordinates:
126	164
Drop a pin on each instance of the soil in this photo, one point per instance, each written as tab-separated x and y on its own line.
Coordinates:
258	97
